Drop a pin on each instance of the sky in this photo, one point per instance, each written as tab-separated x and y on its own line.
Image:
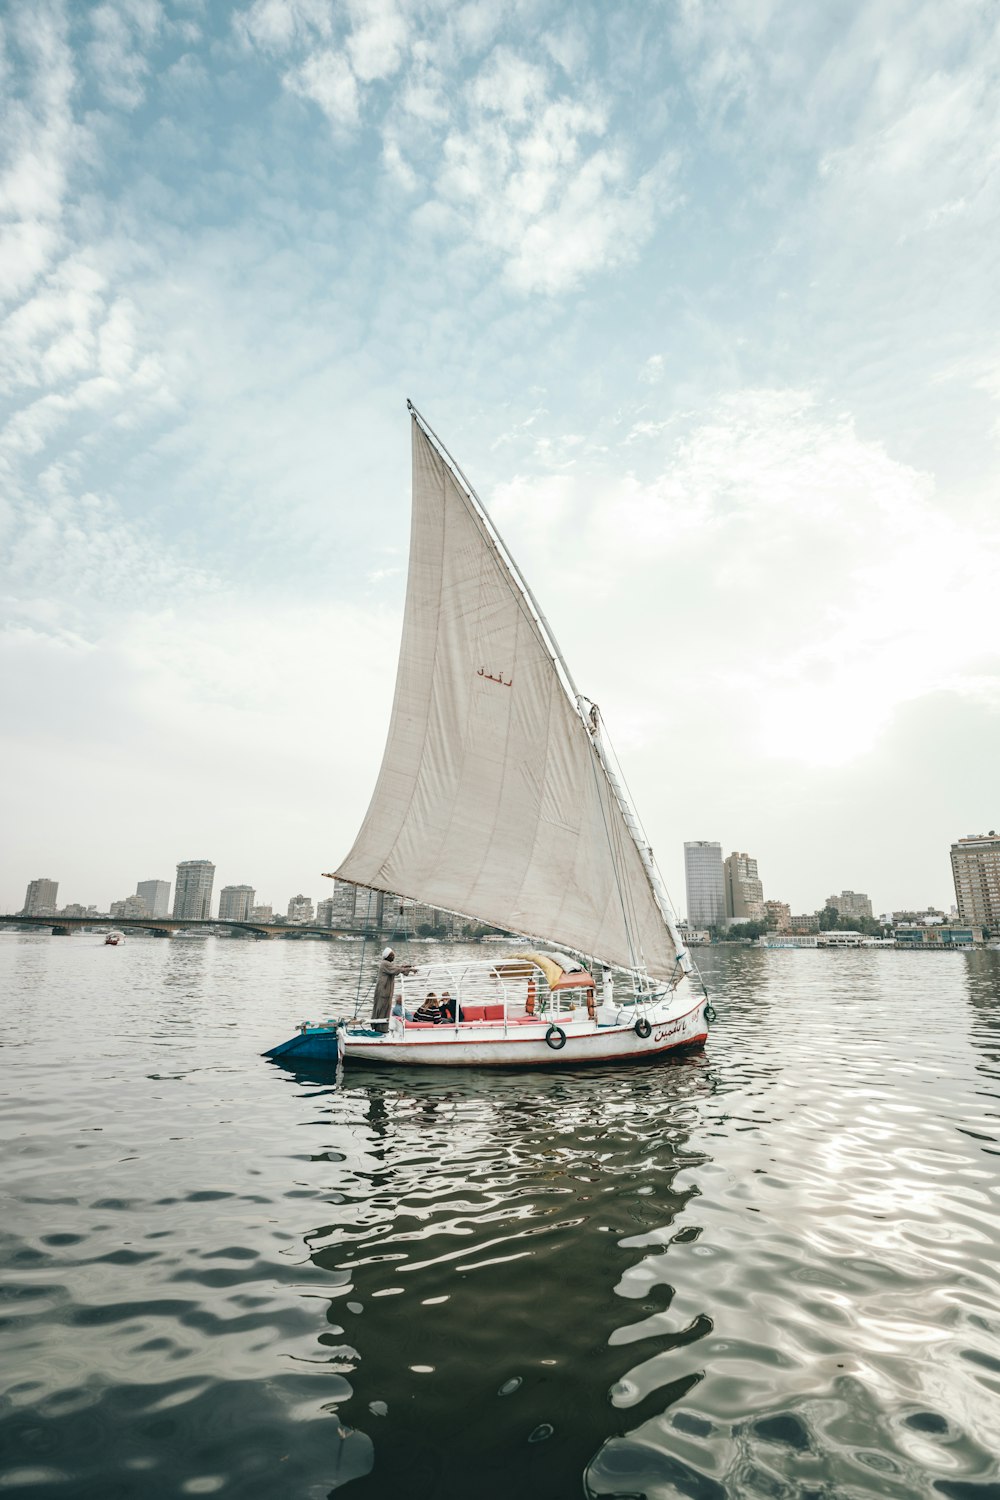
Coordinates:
702	295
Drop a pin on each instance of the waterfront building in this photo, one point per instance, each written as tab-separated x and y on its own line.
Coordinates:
193	890
129	906
851	904
975	867
778	916
917	935
76	909
262	914
705	882
744	891
156	894
40	898
236	902
325	911
300	909
807	921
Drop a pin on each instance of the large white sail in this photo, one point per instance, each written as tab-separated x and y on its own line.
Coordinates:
492	800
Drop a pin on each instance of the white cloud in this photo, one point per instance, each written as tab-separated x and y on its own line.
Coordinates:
817	584
377	38
527	175
41	146
509	86
326	78
122	31
276	26
532	188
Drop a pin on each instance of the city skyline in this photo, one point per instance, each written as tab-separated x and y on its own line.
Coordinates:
14	881
678	288
717	890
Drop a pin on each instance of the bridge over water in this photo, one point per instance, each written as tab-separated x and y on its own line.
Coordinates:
168	926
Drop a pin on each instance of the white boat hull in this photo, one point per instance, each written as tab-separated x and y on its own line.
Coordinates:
672	1024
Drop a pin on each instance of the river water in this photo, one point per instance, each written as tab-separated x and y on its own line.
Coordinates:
767	1269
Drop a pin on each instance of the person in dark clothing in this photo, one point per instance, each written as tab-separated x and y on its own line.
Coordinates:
447	1008
385	982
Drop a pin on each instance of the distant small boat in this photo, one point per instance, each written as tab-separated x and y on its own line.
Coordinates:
186	933
114	939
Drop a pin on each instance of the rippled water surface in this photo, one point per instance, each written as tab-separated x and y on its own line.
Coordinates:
767	1269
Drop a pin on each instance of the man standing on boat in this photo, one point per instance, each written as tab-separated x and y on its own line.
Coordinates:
385	982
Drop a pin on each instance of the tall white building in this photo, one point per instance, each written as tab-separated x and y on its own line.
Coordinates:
156	894
40	898
236	902
193	891
744	890
300	909
703	877
975	866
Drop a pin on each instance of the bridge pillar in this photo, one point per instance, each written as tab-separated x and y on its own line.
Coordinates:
61	931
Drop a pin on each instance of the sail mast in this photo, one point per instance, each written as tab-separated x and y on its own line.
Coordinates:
590	719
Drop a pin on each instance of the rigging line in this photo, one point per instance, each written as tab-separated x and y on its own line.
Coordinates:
636	925
614	866
635	810
361	960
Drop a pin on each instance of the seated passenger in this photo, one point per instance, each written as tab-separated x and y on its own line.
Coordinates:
448	1008
430	1010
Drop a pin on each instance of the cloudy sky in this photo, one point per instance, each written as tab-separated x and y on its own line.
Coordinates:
703	296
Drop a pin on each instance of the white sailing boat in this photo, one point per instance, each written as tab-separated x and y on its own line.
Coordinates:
497	800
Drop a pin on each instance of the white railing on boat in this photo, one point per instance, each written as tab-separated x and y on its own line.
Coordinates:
516	985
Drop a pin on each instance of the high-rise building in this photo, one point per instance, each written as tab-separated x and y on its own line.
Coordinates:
40	899
744	891
703	876
156	894
975	865
236	902
300	909
358	906
851	904
193	891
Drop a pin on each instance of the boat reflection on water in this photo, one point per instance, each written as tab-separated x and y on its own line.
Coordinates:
490	1290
